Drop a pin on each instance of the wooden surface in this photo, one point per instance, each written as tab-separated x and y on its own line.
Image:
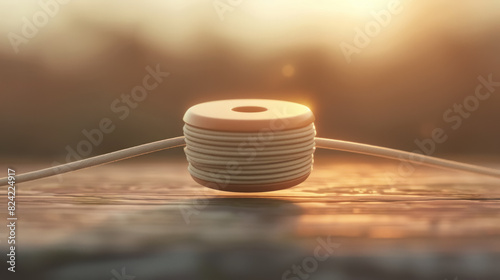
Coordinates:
151	218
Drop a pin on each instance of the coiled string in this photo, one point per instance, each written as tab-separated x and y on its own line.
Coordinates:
207	154
250	157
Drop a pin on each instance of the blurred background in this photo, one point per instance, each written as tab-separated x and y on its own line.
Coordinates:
62	65
375	71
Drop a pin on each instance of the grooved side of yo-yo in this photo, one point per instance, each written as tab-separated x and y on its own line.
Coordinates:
251	187
220	157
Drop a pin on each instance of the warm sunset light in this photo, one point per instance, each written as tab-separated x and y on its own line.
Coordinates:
250	139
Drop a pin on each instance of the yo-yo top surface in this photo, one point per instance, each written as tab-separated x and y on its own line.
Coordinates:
248	115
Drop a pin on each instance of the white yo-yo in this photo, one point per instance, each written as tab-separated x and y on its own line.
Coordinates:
249	145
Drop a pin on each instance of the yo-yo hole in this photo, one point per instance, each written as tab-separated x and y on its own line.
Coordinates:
249	109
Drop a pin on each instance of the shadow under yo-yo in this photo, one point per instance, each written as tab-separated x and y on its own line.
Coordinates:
255	205
261	212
